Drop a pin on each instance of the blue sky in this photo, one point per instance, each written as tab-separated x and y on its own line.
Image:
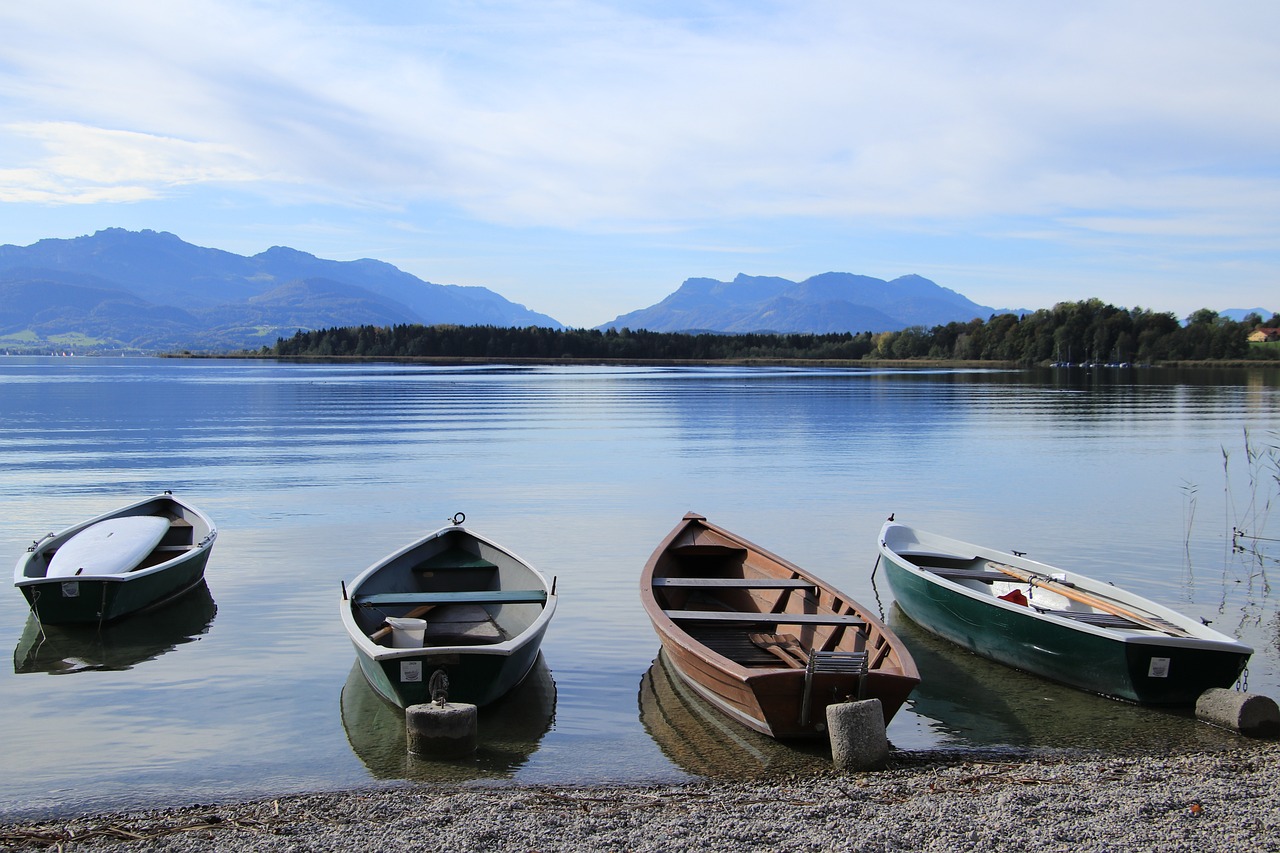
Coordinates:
584	158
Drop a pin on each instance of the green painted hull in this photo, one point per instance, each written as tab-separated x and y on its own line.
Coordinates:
171	567
1079	658
61	601
475	677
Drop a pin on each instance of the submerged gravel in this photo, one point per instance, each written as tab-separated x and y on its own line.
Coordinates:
1220	801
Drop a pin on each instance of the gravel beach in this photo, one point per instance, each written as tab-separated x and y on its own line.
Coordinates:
1204	802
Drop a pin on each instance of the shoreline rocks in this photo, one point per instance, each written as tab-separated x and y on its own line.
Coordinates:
1205	802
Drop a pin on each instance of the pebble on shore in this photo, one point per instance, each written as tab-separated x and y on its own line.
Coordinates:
1203	802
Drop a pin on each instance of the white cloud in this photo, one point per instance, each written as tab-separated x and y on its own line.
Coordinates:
86	165
1092	120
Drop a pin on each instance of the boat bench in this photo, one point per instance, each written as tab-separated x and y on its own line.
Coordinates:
968	574
454	558
1100	620
849	620
737	583
479	596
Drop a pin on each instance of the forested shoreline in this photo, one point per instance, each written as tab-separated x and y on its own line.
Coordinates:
1078	332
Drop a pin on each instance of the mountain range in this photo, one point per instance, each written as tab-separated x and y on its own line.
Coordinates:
831	302
149	291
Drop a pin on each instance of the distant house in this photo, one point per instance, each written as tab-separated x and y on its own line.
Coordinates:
1264	335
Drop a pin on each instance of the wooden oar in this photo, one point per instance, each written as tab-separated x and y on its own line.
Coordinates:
412	614
1103	604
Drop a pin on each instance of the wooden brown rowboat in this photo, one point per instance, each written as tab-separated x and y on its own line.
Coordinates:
761	639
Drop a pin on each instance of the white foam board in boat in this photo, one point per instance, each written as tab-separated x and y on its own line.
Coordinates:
110	547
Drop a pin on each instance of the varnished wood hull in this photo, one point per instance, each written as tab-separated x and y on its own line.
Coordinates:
712	650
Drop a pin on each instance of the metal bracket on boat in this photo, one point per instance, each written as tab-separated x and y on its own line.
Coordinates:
36	544
458	518
840	663
438	686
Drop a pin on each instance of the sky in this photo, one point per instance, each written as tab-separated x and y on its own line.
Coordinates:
585	158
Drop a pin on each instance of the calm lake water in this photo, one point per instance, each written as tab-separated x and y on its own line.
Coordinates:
312	472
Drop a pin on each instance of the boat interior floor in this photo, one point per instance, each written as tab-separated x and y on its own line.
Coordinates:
740	647
452	625
752	649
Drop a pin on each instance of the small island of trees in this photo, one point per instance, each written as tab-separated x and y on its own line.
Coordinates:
1070	332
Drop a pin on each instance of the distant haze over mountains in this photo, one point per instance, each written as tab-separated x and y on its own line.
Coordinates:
831	302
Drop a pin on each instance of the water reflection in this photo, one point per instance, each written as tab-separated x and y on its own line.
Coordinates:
972	701
65	649
702	741
510	731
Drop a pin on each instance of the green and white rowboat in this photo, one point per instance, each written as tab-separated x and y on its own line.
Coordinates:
130	559
1054	623
452	602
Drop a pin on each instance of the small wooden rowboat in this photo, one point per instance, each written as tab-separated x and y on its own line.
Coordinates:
1057	624
130	559
454	603
761	639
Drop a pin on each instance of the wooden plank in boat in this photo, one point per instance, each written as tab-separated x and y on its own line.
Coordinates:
968	574
737	583
771	618
110	547
454	558
487	596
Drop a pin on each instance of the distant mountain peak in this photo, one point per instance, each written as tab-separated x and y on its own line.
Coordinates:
824	303
189	297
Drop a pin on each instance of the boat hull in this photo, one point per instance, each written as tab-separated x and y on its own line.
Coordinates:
772	703
177	567
485	613
762	598
474	676
1151	670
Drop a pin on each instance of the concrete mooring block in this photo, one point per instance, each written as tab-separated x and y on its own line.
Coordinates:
1248	713
436	730
858	740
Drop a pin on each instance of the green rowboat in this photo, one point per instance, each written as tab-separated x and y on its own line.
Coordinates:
125	561
453	603
1054	623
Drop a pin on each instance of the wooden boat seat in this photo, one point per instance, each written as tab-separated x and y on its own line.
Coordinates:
479	596
462	625
454	558
968	574
848	620
737	583
1102	620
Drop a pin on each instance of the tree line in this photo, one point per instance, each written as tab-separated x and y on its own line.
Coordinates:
1070	332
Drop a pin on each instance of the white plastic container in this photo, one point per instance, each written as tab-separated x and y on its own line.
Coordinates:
406	633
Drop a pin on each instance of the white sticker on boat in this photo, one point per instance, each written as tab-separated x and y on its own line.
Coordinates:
1159	668
71	589
410	670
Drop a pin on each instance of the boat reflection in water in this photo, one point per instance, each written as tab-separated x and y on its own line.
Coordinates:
510	731
702	741
973	702
64	649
